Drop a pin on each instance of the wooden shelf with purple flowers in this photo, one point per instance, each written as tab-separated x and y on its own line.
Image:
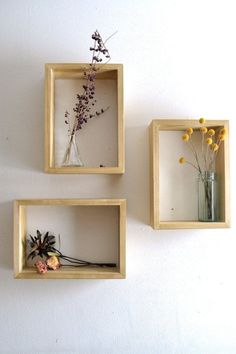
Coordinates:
69	239
196	195
84	125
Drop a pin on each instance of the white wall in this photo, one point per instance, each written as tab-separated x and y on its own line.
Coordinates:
179	60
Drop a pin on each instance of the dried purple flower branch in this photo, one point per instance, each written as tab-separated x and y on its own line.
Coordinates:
86	100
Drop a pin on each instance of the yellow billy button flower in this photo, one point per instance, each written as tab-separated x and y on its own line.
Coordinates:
185	137
182	160
211	132
209	141
223	131
203	130
214	147
222	137
202	120
189	131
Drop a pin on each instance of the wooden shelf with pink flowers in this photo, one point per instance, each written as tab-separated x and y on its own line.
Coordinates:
174	185
69	239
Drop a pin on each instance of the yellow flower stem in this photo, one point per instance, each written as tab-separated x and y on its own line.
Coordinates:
209	159
212	160
207	150
204	156
191	164
214	154
195	153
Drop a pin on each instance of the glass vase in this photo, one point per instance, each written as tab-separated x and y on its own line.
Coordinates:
207	197
72	155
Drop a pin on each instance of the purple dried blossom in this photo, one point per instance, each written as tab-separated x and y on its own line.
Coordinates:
86	100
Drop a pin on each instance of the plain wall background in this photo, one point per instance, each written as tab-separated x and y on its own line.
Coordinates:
179	60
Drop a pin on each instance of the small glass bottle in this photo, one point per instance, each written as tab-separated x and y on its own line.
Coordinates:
207	197
72	156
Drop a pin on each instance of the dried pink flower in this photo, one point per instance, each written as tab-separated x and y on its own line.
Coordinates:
41	267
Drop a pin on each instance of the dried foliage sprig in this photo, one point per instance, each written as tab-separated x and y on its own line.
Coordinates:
85	102
44	247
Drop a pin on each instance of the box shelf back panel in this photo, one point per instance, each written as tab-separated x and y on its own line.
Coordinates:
92	230
101	140
173	197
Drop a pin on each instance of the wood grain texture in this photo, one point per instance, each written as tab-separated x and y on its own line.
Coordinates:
21	271
222	169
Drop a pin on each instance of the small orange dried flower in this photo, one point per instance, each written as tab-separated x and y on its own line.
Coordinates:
211	132
189	131
185	137
209	141
223	131
203	130
222	137
182	160
214	147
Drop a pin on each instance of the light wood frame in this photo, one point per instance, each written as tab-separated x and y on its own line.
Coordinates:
72	71
21	271
222	168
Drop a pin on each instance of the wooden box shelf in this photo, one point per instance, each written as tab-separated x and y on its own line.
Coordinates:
101	140
94	229
178	204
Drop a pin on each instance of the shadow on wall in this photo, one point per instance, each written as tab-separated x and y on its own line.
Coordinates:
22	136
6	236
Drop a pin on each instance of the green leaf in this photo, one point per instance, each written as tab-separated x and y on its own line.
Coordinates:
51	237
52	254
39	237
46	235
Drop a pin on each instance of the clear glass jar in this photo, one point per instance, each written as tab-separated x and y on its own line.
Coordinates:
207	197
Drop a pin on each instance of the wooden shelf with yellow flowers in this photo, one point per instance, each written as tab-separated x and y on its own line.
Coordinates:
173	187
69	239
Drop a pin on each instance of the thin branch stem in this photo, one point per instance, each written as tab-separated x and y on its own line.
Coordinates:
107	39
190	163
81	262
195	153
204	155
